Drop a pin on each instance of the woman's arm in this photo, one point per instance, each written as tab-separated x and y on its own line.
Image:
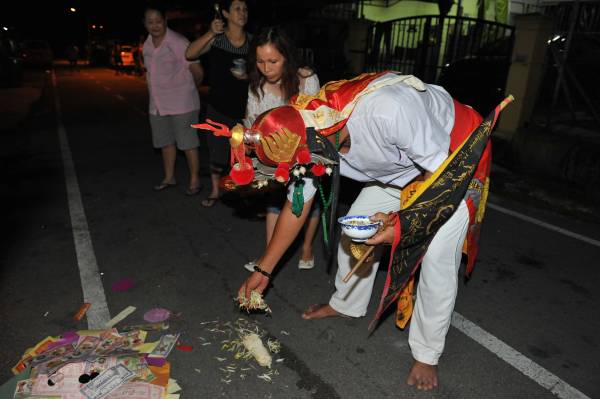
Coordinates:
309	82
286	230
202	44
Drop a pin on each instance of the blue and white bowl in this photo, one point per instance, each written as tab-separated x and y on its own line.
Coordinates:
358	228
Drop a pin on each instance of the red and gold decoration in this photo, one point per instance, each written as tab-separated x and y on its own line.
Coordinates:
278	136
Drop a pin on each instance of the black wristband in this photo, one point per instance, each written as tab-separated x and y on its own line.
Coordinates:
261	271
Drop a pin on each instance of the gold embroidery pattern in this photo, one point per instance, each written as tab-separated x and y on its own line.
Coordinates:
436	200
281	145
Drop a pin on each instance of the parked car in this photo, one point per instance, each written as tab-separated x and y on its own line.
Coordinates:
37	53
477	81
480	80
127	59
11	63
99	54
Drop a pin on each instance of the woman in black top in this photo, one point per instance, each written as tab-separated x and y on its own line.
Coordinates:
228	94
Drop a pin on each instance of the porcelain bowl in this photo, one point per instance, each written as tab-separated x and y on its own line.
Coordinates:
358	227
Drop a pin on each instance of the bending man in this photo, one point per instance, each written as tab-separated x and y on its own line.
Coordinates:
396	133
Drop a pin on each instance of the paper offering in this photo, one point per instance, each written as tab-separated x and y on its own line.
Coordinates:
138	390
106	382
165	345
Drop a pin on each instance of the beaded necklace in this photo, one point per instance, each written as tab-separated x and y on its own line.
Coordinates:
327	202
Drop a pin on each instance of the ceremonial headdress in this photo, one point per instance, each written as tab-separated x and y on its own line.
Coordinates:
282	137
290	141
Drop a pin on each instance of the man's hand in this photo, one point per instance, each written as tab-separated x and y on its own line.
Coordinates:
385	235
255	282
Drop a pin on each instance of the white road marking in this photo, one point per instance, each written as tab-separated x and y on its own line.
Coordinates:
517	360
545	225
531	369
91	283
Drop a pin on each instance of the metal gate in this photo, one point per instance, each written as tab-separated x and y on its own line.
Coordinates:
421	46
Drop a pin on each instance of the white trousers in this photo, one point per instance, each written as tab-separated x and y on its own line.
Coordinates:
438	282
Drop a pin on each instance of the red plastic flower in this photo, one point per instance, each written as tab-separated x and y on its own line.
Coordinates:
303	156
282	173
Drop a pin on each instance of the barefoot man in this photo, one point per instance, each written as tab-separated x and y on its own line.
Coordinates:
391	131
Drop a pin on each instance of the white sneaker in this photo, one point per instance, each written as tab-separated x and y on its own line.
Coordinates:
306	264
250	265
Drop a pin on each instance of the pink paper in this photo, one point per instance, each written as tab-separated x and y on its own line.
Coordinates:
123	285
137	390
157	315
66	338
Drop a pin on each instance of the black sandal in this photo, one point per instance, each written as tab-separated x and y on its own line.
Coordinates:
209	202
193	190
163	185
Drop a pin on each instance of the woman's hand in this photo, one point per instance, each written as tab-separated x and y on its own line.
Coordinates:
255	282
385	235
238	75
217	26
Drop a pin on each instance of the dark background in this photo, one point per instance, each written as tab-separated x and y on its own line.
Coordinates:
53	21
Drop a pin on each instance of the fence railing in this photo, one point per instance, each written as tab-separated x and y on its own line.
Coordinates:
422	45
572	91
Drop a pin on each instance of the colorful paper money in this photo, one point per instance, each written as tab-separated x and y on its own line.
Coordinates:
109	380
165	345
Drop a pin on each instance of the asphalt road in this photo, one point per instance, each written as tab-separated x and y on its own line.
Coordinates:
526	324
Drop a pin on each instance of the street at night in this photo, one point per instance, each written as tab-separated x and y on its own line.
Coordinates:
80	215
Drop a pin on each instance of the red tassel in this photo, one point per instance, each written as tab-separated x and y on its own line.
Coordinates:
318	169
282	173
303	156
242	173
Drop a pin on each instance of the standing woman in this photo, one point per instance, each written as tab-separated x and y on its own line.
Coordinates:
224	42
275	77
174	100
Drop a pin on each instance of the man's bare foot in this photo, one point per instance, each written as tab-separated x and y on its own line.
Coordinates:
423	376
314	312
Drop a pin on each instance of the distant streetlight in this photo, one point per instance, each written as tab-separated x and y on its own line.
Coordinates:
73	9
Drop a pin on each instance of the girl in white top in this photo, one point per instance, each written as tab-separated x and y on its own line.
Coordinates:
274	78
